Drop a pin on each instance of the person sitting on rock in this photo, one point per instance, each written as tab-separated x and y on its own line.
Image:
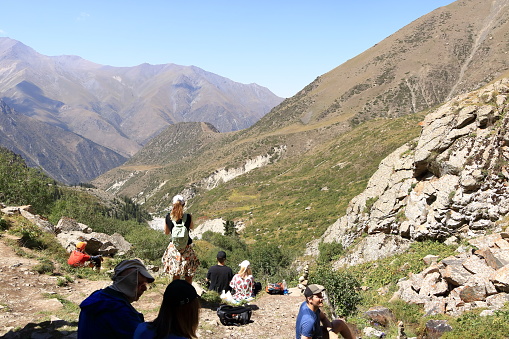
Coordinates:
312	322
79	258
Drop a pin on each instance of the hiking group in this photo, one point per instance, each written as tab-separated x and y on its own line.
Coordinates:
108	313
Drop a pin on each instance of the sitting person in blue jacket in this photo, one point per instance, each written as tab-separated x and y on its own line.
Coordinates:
108	313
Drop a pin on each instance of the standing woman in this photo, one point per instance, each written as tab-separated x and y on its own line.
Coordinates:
179	262
178	316
243	282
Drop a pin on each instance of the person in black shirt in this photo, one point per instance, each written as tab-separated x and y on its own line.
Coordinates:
220	275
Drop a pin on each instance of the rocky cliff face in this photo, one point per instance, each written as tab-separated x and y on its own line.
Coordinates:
452	180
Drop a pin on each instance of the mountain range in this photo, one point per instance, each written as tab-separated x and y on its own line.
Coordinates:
118	108
324	143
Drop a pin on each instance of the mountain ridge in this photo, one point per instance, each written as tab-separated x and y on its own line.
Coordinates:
122	108
405	75
36	143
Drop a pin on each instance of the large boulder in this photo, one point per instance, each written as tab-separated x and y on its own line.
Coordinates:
97	243
460	283
69	232
68	224
27	212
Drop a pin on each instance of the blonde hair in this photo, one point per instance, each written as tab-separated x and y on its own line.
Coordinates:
244	272
177	211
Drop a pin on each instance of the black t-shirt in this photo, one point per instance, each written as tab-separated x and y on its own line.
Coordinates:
170	225
219	277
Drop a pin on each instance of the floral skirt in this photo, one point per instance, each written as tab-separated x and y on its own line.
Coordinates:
183	264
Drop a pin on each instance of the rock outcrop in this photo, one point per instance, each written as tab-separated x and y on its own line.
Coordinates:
452	180
69	232
477	278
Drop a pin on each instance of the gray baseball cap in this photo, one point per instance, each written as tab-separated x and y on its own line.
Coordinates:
133	263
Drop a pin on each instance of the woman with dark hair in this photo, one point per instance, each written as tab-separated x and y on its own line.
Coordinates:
178	316
179	258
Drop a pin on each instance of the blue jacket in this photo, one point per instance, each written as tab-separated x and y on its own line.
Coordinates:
107	313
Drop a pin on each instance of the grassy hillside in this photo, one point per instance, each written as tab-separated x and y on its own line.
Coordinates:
335	130
289	202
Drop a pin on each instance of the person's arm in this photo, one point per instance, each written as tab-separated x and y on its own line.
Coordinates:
84	258
325	321
207	278
340	326
167	229
250	284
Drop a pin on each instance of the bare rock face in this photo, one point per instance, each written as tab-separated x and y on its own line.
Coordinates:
451	181
462	282
373	247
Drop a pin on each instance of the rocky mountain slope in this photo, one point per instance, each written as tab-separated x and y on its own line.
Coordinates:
65	156
453	49
120	108
451	181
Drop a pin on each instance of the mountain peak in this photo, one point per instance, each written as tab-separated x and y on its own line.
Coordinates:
13	49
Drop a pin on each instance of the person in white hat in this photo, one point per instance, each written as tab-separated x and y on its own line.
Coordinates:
179	260
312	322
242	283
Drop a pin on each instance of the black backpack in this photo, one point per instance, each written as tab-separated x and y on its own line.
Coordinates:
234	315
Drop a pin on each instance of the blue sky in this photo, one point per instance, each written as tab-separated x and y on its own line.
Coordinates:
281	45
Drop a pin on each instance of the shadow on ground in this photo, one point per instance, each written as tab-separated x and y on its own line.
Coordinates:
45	329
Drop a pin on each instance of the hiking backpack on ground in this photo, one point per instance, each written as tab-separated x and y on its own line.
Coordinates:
234	315
180	234
276	288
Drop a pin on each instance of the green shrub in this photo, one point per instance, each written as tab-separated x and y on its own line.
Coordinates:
269	261
390	270
471	325
342	290
329	251
4	224
211	297
64	281
226	243
236	250
31	235
148	244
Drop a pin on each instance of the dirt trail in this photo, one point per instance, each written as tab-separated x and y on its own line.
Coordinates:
29	309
